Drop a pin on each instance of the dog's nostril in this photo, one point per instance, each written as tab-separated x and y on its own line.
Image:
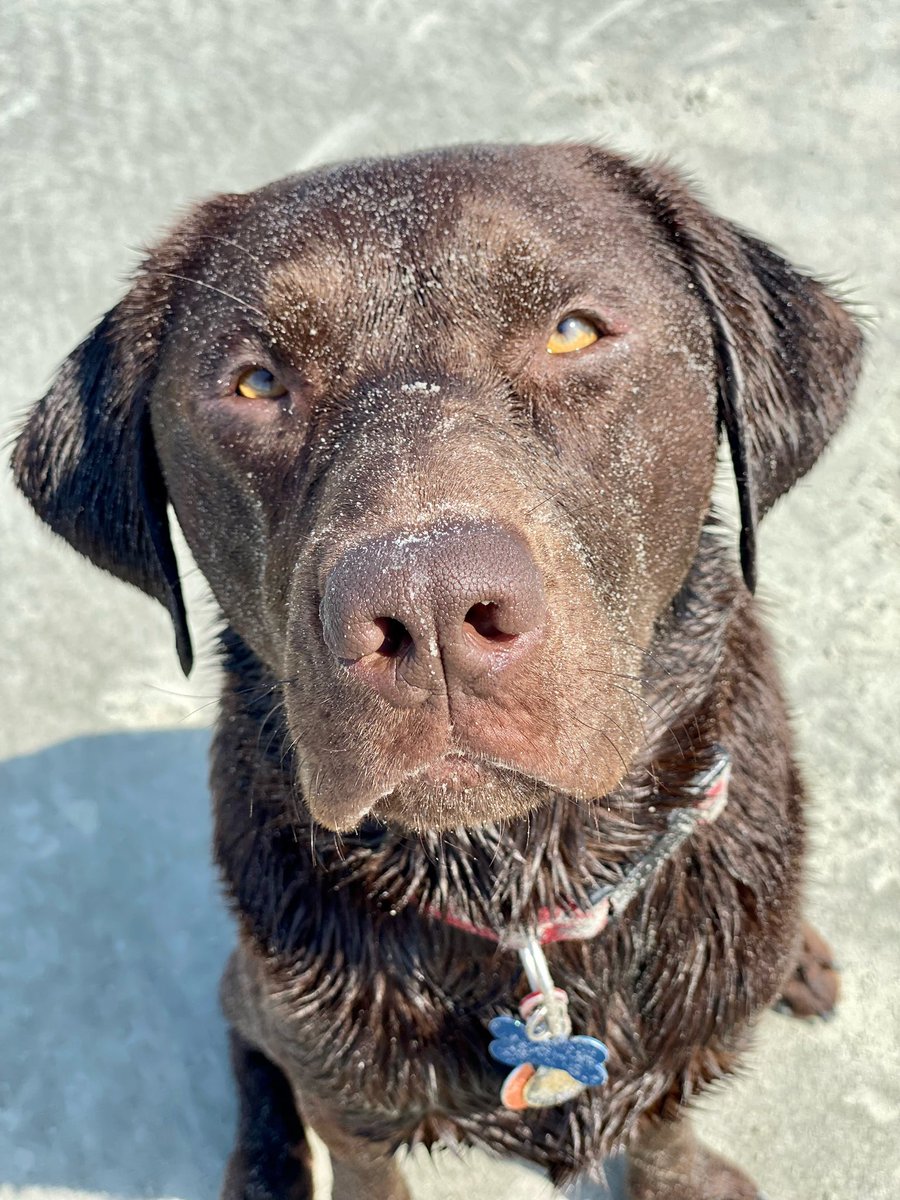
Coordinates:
481	620
396	639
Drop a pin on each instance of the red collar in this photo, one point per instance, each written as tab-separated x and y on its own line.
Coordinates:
709	793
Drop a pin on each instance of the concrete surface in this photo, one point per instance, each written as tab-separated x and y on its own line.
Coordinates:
112	1064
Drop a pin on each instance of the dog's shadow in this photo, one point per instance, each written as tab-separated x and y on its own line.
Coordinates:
114	1072
113	1063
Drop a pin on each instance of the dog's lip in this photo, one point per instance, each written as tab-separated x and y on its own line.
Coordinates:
456	771
453	769
459	769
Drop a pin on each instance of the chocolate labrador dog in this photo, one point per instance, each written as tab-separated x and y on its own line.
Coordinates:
500	729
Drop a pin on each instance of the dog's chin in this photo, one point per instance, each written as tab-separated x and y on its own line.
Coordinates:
450	793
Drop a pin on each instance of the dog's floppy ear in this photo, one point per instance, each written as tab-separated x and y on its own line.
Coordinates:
85	457
788	352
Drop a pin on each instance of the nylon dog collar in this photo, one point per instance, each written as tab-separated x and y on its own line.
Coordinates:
552	1066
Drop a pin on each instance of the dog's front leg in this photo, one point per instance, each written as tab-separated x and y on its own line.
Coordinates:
361	1168
271	1157
667	1162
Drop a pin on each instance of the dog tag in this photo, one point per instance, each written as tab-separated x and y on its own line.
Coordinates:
551	1066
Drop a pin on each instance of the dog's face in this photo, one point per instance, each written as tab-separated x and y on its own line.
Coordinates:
451	541
440	432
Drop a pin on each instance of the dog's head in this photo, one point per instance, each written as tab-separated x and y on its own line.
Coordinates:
441	433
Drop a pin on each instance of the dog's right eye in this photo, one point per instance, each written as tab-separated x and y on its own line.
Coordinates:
256	383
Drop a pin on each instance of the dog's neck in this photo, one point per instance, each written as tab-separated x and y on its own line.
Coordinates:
498	875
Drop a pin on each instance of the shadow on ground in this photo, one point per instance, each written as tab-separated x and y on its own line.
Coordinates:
112	938
114	1070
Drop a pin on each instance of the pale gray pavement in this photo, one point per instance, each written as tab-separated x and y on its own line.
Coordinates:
112	1059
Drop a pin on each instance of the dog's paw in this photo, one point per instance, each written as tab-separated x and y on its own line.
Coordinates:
699	1174
813	987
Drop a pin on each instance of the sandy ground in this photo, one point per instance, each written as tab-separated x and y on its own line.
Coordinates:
112	1065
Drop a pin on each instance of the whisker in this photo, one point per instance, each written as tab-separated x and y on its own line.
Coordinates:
664	723
217	237
604	735
212	288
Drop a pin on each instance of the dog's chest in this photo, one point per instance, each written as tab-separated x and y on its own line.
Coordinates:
396	1037
399	1031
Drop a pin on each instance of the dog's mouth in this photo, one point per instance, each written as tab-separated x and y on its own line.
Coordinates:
425	772
452	790
453	771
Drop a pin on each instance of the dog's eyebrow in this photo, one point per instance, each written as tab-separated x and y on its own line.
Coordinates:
532	280
528	268
556	285
309	278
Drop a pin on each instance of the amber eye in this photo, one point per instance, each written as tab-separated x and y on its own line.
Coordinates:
259	384
572	333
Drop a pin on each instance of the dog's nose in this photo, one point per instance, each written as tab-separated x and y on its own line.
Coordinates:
462	601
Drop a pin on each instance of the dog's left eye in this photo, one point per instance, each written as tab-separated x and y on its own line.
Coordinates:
259	384
572	333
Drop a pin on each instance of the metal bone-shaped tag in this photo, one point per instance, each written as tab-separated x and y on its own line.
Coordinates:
551	1066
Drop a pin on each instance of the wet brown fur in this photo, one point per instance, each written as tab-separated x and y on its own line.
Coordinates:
406	302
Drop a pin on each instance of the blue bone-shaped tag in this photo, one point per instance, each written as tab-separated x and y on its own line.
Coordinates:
583	1057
